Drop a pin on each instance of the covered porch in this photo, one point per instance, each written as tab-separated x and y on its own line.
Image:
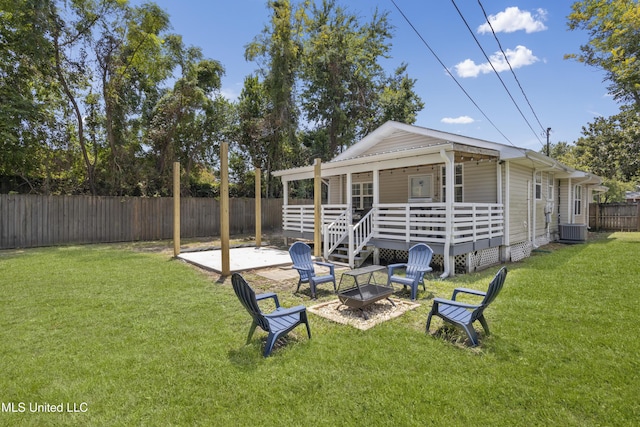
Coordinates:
447	195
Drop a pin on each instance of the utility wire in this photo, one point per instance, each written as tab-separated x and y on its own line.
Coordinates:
510	67
496	72
449	72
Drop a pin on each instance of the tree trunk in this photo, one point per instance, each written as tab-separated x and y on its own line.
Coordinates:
76	109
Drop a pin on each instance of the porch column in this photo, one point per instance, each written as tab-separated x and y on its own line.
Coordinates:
285	193
317	208
376	200
285	202
499	181
570	218
350	245
376	186
505	251
449	159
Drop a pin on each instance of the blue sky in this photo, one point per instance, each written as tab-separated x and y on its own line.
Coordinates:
564	94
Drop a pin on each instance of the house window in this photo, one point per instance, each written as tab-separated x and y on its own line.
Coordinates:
362	195
457	184
538	185
577	200
420	186
549	187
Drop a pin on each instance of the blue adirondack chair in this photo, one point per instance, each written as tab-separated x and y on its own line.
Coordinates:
301	256
277	323
462	314
416	266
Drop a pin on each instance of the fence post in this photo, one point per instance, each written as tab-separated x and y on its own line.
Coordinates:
176	209
224	207
258	214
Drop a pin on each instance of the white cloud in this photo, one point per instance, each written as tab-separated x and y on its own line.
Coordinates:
519	57
462	120
514	19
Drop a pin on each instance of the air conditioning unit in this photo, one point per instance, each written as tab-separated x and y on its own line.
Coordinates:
573	232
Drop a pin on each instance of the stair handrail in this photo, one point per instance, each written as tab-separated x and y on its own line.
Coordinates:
332	232
363	232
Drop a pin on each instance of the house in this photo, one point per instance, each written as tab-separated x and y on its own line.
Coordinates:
475	202
632	196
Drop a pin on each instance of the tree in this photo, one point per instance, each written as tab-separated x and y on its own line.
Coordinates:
28	93
130	63
341	74
278	49
397	99
610	146
182	118
69	39
253	128
346	93
614	45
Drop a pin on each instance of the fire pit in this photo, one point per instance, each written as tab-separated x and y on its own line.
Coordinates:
364	289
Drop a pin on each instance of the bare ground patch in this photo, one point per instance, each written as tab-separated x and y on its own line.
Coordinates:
376	313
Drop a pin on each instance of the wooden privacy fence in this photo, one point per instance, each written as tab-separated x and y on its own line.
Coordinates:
614	216
31	221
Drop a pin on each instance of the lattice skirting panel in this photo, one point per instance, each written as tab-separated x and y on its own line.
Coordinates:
480	260
460	263
473	261
390	256
520	251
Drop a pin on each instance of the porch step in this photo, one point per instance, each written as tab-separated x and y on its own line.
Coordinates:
341	255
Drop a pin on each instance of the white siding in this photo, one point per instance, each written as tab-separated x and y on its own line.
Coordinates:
564	202
394	184
480	182
518	203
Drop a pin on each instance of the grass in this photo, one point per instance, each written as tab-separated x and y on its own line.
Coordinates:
137	338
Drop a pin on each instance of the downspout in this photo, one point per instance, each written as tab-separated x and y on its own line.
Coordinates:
529	207
447	157
534	208
507	204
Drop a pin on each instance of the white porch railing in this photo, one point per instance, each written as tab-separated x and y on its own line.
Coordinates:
300	218
427	222
407	222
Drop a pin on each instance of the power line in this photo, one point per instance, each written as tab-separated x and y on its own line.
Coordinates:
496	71
449	72
510	67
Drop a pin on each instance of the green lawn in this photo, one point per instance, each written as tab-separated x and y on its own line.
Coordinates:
136	338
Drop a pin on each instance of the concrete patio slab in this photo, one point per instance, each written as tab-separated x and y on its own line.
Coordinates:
240	259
